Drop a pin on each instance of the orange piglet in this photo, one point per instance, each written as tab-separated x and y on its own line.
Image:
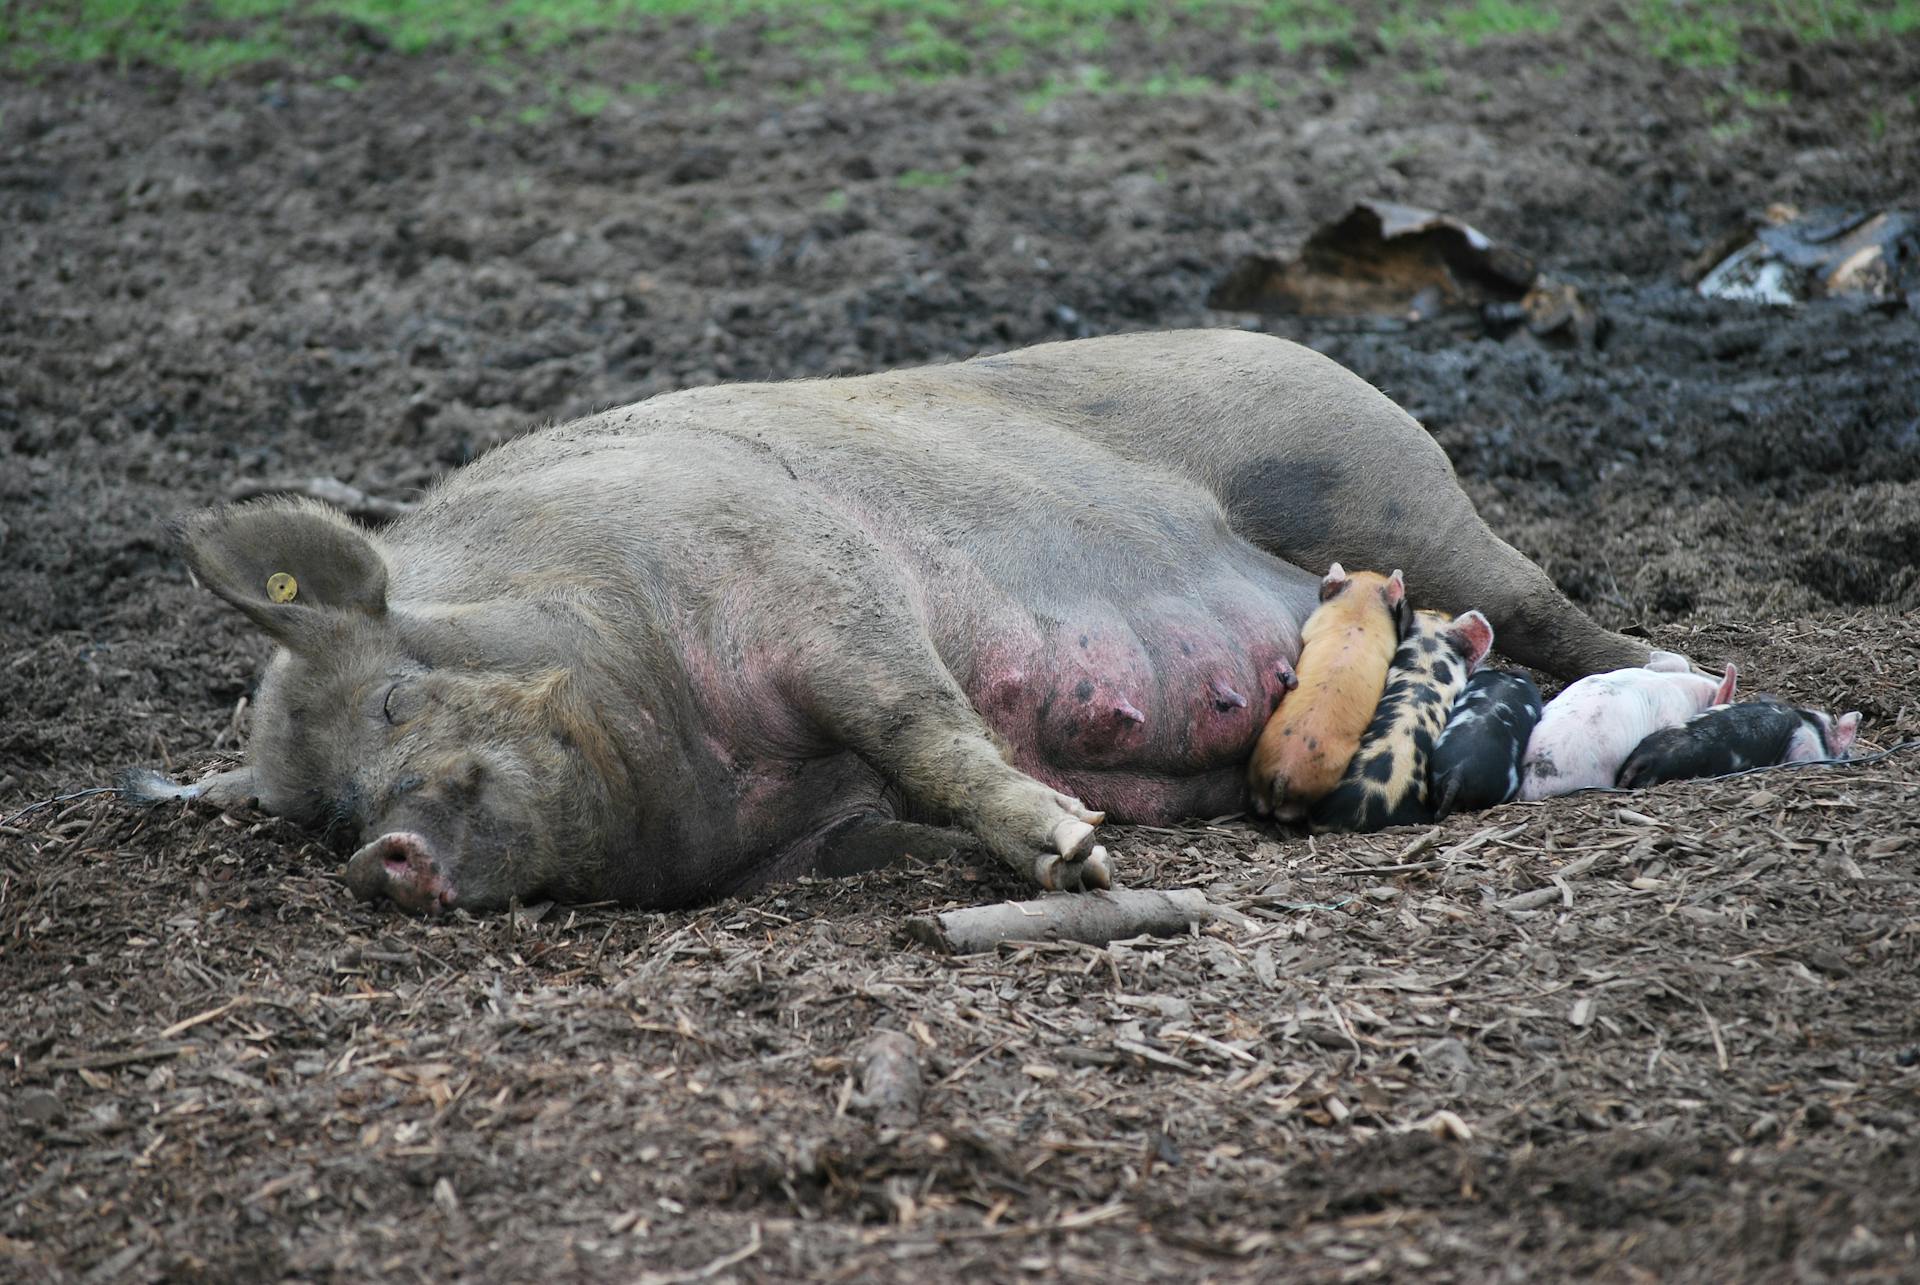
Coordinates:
1345	649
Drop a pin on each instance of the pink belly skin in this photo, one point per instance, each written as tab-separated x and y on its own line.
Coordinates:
1150	715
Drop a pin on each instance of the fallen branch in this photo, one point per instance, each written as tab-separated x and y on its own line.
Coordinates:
712	1269
59	799
102	1061
1156	1060
1555	892
1095	918
350	500
888	1064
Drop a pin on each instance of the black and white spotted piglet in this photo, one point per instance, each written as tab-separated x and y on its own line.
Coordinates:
1476	762
1732	738
1386	783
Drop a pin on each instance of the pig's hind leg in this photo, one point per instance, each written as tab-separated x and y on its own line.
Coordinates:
1385	496
1315	466
872	841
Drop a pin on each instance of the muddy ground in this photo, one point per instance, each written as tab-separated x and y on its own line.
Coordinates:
1695	1059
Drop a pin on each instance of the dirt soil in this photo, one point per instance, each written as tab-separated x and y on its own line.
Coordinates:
1692	1057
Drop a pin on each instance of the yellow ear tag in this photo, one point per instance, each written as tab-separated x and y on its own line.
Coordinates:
282	587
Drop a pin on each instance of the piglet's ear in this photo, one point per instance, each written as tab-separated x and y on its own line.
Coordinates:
1396	588
1845	728
1723	694
1471	636
295	567
1334	582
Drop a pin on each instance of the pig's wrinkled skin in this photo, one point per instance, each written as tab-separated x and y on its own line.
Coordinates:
737	633
1587	731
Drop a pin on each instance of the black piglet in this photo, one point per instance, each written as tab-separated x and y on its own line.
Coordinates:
1476	763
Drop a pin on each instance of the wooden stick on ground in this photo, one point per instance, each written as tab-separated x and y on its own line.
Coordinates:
350	500
1095	918
888	1064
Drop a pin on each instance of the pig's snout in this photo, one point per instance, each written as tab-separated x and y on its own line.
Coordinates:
400	866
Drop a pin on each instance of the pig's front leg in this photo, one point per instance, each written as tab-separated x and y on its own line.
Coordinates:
920	732
948	763
863	667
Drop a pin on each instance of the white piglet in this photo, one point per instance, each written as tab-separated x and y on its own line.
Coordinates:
1588	730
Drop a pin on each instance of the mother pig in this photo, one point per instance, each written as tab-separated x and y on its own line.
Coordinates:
741	632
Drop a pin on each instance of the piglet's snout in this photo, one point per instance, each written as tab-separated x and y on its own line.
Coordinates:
400	865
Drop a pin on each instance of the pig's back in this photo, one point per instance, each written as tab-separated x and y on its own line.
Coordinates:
980	481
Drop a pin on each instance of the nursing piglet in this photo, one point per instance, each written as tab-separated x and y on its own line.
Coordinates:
1733	738
1386	784
1476	763
1588	730
1345	648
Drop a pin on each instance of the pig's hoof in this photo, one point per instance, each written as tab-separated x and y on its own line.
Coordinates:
1670	662
1056	873
1073	839
1076	863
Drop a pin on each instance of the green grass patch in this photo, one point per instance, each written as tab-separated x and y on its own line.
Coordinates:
1708	33
1467	25
909	39
1763	100
877	46
930	180
589	100
138	31
1296	24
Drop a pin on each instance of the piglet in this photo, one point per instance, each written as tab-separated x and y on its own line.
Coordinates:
1588	730
1476	761
1386	784
1345	648
1732	738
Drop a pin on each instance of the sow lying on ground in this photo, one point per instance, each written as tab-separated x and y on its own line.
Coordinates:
738	633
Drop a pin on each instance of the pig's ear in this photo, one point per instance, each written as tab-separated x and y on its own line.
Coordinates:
1335	581
295	567
1472	637
1397	605
1840	739
1723	694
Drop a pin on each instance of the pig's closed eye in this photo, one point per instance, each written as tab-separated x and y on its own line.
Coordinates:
402	703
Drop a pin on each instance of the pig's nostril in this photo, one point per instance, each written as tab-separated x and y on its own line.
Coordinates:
396	865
